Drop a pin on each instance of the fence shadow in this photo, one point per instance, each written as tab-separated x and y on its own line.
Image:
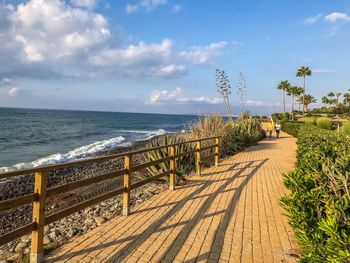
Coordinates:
245	170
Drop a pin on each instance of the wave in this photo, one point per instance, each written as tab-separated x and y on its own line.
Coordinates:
87	150
78	153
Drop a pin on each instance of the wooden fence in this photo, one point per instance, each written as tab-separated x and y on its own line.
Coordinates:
41	193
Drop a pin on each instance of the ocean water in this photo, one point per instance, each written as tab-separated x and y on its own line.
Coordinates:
32	137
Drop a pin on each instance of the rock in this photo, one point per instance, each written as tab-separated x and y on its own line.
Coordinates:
14	258
20	247
46	240
72	232
54	234
100	220
46	229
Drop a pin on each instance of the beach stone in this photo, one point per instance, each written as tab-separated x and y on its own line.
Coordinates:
20	247
100	220
46	229
46	240
54	234
72	232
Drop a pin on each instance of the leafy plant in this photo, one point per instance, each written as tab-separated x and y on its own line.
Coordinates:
318	205
184	164
345	128
324	123
309	120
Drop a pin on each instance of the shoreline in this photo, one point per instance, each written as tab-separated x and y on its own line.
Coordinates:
61	231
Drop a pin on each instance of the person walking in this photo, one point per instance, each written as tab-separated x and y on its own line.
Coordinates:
270	129
277	129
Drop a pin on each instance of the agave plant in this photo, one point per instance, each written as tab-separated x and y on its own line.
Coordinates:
184	164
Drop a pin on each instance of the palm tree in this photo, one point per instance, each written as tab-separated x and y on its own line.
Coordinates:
331	101
294	91
303	72
307	99
346	99
283	86
337	95
325	101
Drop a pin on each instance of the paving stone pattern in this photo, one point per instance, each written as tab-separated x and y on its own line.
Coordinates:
228	214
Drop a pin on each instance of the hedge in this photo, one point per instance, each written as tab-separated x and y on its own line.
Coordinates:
292	128
318	203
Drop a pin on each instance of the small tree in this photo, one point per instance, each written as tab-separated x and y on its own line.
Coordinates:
224	89
242	89
346	97
284	85
307	99
304	72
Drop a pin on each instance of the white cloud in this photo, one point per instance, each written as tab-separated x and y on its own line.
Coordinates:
131	8
12	92
62	39
10	85
203	54
169	70
177	96
237	43
321	71
90	4
313	19
176	8
146	5
141	53
259	103
337	16
53	30
6	82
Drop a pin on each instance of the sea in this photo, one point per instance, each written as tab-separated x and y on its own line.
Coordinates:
35	137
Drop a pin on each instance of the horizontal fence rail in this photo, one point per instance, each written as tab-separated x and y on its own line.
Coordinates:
40	194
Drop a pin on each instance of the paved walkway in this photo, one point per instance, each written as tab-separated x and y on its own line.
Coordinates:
229	214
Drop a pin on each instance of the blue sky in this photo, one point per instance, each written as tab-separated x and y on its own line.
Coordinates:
161	55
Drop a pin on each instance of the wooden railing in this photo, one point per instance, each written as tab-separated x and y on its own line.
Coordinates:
41	193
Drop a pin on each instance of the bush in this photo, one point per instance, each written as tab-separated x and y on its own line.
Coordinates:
235	136
208	126
324	123
345	128
239	135
319	203
292	128
308	120
185	163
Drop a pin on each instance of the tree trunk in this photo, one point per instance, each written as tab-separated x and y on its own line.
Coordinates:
304	94
292	103
284	101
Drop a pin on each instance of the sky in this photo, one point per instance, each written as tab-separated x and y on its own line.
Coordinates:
160	56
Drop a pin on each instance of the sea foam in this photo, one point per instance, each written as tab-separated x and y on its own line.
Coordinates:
78	153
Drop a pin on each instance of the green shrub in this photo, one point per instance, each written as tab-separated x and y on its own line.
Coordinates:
185	163
308	120
208	126
235	136
345	128
324	123
292	128
239	135
319	203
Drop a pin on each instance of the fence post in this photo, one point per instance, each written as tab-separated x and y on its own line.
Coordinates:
172	177
198	157
217	141
40	186
127	183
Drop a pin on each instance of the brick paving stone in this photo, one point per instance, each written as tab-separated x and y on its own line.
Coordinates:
230	213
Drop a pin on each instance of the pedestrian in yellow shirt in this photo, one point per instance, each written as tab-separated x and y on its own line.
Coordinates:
270	129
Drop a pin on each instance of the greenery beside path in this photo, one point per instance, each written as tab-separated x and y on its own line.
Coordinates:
318	205
235	136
